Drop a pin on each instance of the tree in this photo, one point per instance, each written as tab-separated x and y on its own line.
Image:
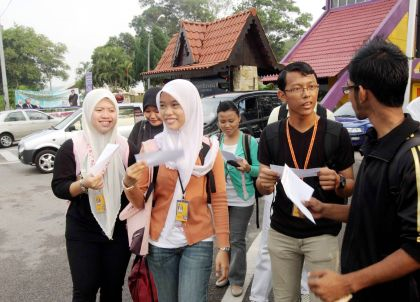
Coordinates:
32	59
125	41
282	21
110	65
81	71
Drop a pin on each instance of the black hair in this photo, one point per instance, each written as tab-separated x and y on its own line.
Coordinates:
226	106
302	67
381	67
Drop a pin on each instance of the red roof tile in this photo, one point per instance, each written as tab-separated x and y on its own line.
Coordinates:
210	43
331	44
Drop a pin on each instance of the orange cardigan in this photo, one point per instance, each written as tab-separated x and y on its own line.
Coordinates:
200	224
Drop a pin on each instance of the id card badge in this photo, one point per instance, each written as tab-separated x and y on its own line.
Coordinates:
100	203
181	210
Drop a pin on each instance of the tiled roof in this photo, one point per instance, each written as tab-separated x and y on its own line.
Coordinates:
331	44
269	78
211	43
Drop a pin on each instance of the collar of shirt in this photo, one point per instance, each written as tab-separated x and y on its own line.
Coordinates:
385	147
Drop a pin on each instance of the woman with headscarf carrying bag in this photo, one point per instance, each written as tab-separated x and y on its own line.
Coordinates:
183	225
96	240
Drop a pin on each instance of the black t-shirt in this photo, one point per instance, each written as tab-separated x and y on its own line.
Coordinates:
275	150
382	221
80	222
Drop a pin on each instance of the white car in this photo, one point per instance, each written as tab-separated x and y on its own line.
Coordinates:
39	149
15	124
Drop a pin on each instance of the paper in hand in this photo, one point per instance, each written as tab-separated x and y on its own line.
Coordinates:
297	191
301	173
229	156
104	159
153	159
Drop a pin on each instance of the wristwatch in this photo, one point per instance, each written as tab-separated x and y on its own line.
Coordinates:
225	249
342	182
82	186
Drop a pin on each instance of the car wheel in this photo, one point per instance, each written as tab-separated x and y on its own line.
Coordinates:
6	140
44	161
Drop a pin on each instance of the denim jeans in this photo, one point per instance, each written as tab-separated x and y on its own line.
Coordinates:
238	223
182	274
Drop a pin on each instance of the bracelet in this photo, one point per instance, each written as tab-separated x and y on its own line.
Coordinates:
127	188
83	188
225	249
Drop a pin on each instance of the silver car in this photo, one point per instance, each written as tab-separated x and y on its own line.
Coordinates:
39	149
15	124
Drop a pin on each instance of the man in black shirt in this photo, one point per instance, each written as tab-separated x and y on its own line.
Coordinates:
303	140
381	249
73	97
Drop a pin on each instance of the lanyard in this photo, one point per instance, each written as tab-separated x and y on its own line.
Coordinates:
311	145
182	187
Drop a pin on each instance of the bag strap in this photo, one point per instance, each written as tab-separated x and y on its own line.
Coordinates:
282	112
321	111
210	183
331	142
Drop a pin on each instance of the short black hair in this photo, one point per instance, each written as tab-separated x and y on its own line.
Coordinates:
302	67
226	106
381	67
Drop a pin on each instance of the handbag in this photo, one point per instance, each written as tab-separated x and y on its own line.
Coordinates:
140	282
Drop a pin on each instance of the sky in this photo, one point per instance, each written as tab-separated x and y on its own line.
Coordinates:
83	25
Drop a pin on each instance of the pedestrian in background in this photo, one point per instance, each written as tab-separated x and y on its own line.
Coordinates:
183	226
96	240
152	124
239	189
73	98
380	258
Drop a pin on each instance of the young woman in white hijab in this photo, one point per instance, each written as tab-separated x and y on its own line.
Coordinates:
182	224
96	241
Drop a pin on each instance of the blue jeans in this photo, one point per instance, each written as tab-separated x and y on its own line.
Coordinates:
182	274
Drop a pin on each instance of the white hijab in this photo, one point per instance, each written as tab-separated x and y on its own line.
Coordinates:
115	171
190	136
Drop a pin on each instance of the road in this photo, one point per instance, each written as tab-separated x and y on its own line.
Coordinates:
32	248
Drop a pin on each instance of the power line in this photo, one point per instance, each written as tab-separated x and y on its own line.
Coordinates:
8	4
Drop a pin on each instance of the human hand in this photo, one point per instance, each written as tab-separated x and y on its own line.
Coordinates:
267	179
133	173
222	265
329	286
243	166
316	207
328	179
93	182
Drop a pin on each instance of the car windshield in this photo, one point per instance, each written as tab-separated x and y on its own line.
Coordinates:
345	110
65	121
210	107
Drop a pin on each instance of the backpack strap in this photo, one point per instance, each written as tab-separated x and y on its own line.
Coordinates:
321	111
412	141
331	142
282	112
210	183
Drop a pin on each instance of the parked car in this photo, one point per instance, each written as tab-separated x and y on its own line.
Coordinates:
39	149
15	124
59	112
356	128
254	108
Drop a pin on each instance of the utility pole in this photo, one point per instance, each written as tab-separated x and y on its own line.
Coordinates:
3	71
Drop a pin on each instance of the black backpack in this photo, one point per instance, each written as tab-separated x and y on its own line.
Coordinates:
320	110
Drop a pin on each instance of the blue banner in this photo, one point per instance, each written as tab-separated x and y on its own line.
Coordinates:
45	99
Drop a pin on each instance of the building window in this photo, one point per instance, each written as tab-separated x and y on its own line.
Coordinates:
340	3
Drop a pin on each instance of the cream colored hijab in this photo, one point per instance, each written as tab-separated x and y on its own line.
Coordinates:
113	176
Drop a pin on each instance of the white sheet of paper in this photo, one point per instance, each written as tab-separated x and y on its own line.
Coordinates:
229	156
104	159
302	173
297	191
160	157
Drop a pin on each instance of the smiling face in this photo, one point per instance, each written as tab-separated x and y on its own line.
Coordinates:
171	112
104	116
151	113
228	122
300	102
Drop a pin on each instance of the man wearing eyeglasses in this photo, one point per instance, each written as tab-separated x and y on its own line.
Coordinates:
303	140
381	247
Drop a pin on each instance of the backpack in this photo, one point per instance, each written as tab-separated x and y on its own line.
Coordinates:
283	111
246	143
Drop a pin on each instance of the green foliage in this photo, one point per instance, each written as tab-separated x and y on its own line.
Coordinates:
32	59
282	21
125	41
111	65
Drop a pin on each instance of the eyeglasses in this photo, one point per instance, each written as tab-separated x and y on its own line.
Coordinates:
346	89
299	90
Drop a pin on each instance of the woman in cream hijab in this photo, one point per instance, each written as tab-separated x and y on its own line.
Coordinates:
97	245
183	225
